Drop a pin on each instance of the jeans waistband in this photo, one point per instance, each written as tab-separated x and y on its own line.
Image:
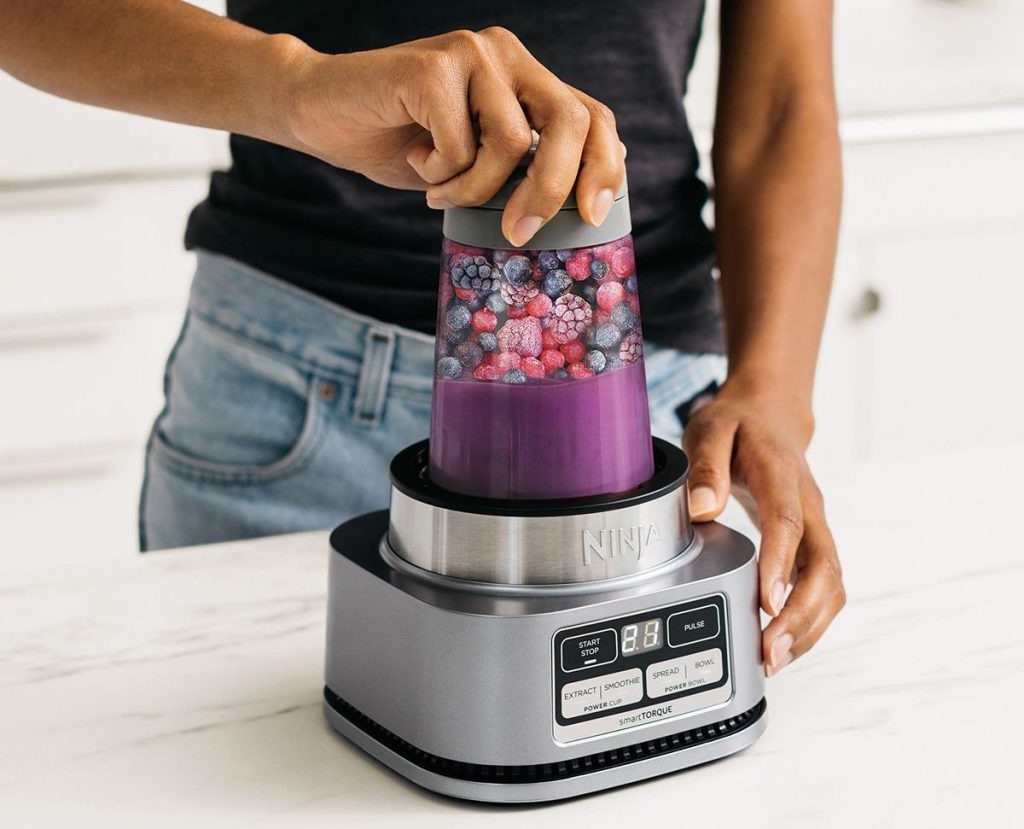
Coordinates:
258	306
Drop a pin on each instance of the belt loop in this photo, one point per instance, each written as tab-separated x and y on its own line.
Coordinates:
374	376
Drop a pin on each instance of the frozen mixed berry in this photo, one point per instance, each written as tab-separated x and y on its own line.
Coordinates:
547	339
508	360
548	260
469	354
578	266
497	304
613	362
556	283
595	361
517	312
540	306
458	317
622	261
599	269
514	376
465	294
571	315
500	257
578	371
563	255
517	296
473	272
624	316
484	320
604	252
551	359
630	284
607	335
487	341
449	367
487	372
610	294
522	337
453	336
559	374
631	348
573	351
533	367
517	270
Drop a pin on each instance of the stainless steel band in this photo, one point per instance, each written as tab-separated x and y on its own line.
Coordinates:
540	549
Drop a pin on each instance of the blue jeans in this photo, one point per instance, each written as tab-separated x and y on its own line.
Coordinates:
283	411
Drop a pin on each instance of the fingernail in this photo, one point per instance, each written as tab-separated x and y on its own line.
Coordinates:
602	204
524	229
776	597
781	655
702	499
439	204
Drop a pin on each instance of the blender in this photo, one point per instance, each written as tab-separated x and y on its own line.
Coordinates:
536	617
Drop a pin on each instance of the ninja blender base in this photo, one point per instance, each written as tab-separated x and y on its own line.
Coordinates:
518	651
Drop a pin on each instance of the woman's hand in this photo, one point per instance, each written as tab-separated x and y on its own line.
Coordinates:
753	443
454	115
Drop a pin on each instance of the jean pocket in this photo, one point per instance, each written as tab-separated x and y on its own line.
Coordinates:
237	412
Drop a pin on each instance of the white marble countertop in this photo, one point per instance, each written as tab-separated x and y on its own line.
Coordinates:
186	686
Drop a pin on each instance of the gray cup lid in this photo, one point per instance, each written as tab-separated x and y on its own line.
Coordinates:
481	226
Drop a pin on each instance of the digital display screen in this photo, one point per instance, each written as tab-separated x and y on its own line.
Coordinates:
641	637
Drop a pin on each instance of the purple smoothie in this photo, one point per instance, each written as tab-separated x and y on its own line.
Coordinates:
550	438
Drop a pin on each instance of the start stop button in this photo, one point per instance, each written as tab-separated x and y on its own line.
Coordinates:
588	650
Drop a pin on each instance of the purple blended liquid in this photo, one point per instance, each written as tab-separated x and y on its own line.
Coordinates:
548	440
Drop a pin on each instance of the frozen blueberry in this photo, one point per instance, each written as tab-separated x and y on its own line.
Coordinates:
559	374
630	284
452	337
458	317
563	255
589	292
449	367
517	270
487	341
556	283
607	335
475	304
548	260
624	316
500	257
469	354
599	269
514	375
595	361
614	361
496	303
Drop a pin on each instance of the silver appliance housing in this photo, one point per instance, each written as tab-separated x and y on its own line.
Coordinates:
446	666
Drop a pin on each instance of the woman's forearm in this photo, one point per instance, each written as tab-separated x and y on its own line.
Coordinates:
778	188
162	58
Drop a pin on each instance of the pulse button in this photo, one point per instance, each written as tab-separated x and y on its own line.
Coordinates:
588	650
690	626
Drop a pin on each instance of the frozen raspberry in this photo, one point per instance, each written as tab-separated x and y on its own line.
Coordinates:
607	335
548	260
604	252
624	316
487	372
484	320
465	294
579	371
622	261
507	360
474	273
571	316
610	294
540	306
631	348
599	269
522	337
469	354
518	295
516	312
449	367
552	358
578	267
573	351
533	367
514	376
458	317
487	341
556	283
547	339
595	361
517	270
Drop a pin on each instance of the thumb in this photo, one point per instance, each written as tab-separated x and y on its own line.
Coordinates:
708	443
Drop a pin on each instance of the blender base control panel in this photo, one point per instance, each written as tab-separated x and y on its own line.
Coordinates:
639	669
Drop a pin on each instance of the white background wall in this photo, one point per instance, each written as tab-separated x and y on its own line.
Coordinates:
921	347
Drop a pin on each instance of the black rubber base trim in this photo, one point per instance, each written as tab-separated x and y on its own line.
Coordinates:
542	772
